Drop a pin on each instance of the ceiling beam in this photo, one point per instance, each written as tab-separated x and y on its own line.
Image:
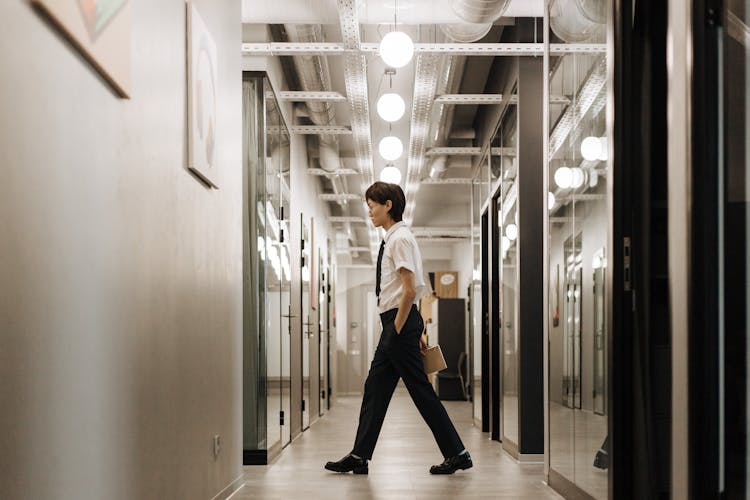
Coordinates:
352	249
463	181
476	99
468	151
451	239
333	173
355	79
586	98
425	86
339	197
441	232
302	96
321	129
347	218
456	49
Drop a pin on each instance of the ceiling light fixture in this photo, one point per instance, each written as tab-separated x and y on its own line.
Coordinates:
391	175
551	200
564	177
390	148
594	148
511	231
391	107
591	148
396	49
505	244
579	177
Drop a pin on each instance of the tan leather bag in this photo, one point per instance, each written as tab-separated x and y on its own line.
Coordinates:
433	359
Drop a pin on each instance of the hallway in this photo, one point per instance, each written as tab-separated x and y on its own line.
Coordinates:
399	469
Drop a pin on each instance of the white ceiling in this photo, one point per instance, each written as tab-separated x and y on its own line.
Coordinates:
370	11
436	205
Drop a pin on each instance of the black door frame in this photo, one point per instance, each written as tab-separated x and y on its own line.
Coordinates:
485	323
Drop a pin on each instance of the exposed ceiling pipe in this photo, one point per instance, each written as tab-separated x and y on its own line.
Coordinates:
314	75
576	21
455	71
411	12
479	11
466	32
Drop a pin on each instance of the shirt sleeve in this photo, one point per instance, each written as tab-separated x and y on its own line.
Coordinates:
402	253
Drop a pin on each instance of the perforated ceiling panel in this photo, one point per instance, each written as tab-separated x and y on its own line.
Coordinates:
425	85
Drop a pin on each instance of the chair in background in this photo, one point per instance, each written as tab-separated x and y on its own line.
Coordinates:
451	385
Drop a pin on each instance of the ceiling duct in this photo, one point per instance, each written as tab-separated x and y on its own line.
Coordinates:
576	21
314	75
479	11
466	32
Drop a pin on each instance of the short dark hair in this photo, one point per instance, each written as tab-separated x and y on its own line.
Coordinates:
381	192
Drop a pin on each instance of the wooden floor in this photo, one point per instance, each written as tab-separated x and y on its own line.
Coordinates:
400	466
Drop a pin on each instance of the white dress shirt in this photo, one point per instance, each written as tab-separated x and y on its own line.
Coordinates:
400	251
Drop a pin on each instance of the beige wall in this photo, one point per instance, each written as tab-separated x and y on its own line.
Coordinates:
120	274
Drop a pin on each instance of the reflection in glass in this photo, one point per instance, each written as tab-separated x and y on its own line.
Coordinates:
578	229
265	267
505	167
322	334
599	265
254	382
307	323
572	323
475	324
272	207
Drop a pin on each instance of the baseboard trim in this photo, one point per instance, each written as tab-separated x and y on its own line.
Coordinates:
254	457
231	489
565	487
510	447
531	458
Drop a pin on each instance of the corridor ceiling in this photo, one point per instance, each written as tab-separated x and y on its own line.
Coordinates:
329	52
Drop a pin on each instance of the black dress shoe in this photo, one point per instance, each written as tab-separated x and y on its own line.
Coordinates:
453	464
349	464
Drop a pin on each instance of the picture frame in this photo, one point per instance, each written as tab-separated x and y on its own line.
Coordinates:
100	30
202	102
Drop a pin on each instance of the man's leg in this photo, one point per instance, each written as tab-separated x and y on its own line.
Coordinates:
407	359
379	387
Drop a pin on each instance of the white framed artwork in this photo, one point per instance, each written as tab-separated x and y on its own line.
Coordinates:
100	31
202	63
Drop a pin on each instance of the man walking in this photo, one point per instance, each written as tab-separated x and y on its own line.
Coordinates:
399	284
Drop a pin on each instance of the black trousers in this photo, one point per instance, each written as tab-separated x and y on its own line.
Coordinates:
398	356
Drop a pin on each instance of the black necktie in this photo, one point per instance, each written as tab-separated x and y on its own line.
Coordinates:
380	263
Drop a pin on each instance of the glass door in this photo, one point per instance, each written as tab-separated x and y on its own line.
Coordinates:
269	209
322	335
306	320
735	233
578	172
285	284
599	265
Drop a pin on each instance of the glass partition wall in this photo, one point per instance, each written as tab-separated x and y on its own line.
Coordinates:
267	273
306	319
475	301
323	277
579	225
504	167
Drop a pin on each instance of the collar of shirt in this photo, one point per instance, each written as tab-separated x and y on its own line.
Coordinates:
393	230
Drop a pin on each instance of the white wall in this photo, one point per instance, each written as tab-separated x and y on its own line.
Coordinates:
463	263
120	274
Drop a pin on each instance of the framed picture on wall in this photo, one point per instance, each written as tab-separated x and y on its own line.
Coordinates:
202	99
100	31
